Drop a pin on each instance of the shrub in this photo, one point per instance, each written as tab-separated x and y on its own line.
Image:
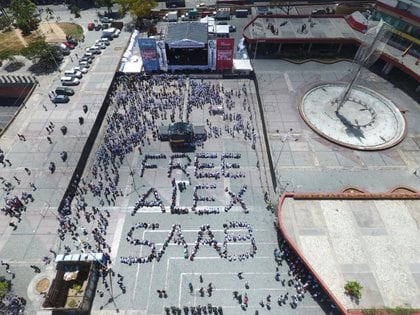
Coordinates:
353	289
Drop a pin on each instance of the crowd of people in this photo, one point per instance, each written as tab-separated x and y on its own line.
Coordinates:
137	107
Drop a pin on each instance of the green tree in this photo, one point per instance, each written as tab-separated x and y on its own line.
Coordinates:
7	53
75	10
24	13
105	3
43	54
137	8
4	287
353	289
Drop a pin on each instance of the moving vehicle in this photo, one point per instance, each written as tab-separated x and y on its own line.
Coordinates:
61	90
60	99
69	81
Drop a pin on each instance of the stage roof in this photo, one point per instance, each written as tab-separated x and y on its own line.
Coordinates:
186	32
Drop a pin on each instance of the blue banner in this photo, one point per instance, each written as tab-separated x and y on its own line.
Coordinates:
148	54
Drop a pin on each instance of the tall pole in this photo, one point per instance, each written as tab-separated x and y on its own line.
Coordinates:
364	57
285	138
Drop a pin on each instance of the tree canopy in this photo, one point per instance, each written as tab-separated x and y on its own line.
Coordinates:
105	3
137	8
43	54
24	12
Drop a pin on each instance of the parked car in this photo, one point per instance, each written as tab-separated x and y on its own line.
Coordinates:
100	45
73	73
116	33
60	99
85	59
106	19
64	50
93	50
81	69
107	37
91	26
61	90
98	27
73	41
84	64
103	41
69	45
232	28
69	81
89	54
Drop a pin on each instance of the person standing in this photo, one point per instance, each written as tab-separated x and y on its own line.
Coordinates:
190	286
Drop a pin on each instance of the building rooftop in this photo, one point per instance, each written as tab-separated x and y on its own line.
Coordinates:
332	29
373	240
193	31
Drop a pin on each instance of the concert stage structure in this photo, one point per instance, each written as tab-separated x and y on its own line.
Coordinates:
186	47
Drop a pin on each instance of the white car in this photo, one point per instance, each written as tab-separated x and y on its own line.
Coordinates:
102	41
84	64
89	54
69	81
81	69
116	33
94	50
73	73
100	45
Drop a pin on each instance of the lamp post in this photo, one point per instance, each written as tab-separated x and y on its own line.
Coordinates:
284	140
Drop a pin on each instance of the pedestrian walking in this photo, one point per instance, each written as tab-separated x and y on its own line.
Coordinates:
190	286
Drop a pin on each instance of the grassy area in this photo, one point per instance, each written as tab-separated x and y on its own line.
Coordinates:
72	29
11	41
33	37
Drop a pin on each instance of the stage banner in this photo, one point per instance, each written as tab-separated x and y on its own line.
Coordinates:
225	48
212	54
149	54
163	60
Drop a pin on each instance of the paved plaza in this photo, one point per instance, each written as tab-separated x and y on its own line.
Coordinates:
371	241
306	162
169	218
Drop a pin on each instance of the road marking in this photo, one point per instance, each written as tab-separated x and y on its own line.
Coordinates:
150	287
288	82
117	236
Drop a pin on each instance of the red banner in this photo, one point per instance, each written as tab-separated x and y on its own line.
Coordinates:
224	53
